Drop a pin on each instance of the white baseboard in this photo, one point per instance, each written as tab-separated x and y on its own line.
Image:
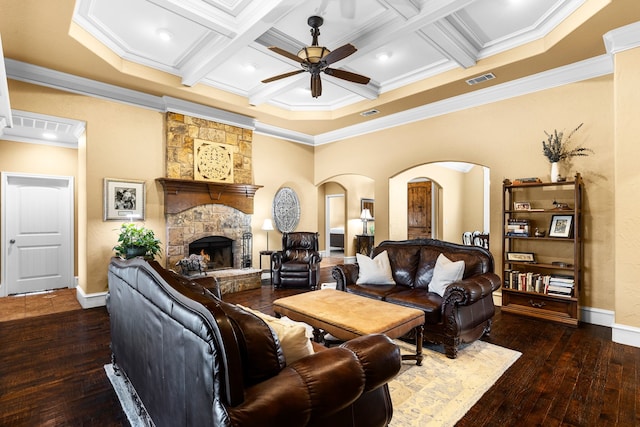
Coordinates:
597	316
497	298
97	299
623	334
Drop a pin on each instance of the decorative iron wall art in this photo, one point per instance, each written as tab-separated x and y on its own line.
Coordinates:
286	210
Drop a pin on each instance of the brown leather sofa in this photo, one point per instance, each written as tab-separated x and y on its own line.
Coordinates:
461	315
195	360
297	265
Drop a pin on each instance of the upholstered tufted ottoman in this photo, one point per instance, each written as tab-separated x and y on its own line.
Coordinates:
347	316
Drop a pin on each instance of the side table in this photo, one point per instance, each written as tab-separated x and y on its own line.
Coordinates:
364	244
268	253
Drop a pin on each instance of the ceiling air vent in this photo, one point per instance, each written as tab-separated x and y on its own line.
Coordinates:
369	113
480	79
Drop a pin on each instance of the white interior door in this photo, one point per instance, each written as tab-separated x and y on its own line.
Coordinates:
37	233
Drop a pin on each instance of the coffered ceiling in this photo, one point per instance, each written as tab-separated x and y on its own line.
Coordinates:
224	44
215	53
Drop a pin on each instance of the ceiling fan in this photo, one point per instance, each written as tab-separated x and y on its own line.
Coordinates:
316	59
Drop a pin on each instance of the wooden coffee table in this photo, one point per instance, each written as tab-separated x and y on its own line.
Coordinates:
347	316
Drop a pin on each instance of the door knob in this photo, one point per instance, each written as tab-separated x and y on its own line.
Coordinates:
12	241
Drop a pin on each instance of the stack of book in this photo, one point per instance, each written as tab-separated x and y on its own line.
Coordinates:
561	286
517	227
556	285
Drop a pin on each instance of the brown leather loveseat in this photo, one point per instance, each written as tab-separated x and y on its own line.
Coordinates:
461	314
195	360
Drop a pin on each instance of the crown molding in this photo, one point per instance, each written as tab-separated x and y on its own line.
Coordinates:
282	133
623	38
590	68
208	113
584	70
46	77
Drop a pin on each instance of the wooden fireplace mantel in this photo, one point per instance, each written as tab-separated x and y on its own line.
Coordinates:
182	194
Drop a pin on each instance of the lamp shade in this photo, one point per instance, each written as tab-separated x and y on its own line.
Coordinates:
365	215
267	225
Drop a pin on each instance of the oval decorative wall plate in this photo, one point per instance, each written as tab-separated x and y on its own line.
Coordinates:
286	210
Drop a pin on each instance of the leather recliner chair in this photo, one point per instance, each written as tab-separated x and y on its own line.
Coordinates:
297	265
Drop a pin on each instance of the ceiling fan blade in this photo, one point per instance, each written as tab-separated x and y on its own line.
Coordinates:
282	76
283	52
347	75
340	53
316	85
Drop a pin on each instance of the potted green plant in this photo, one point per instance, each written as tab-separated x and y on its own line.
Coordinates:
135	241
555	149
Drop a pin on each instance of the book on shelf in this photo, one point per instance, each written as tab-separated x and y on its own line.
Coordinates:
517	227
539	283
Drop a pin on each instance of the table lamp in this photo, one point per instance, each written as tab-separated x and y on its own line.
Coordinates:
365	216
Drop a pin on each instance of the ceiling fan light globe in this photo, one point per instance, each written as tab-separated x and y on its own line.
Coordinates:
313	54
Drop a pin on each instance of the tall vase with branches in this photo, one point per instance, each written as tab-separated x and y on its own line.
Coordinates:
557	148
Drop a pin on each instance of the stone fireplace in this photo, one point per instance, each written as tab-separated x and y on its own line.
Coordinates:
206	222
205	215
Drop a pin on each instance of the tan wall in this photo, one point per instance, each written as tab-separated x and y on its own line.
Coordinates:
121	142
627	187
277	164
472	212
21	157
505	136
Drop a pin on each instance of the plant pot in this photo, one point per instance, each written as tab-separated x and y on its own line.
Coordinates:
135	251
554	172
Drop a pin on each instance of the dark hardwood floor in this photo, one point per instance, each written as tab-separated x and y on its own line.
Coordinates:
51	372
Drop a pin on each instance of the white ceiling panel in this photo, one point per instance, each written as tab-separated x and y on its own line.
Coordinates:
401	59
223	43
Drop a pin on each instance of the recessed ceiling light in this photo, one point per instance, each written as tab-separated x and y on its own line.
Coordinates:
383	56
250	67
49	135
164	34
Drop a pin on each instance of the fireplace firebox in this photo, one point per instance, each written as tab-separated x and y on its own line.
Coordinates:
217	251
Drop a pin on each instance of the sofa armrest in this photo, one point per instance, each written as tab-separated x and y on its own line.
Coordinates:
472	289
320	384
345	275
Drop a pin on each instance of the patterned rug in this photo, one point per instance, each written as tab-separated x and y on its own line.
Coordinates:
442	390
438	393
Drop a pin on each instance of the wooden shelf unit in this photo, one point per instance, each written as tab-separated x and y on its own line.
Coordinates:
554	256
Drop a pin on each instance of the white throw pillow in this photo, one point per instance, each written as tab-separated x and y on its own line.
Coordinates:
376	271
294	336
444	273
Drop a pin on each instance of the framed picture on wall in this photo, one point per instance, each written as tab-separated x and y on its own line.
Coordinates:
367	204
124	200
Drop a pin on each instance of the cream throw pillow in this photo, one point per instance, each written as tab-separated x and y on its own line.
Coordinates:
444	273
376	271
294	336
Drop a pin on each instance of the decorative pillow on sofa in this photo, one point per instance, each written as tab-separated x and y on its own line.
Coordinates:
444	273
376	271
294	336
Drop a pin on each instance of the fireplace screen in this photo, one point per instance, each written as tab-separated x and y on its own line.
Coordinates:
216	251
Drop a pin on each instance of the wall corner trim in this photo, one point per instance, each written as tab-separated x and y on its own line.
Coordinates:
93	300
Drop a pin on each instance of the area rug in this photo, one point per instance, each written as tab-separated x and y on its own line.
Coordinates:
131	405
436	394
442	390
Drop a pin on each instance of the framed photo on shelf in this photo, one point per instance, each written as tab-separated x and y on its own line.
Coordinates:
521	206
124	200
521	256
561	226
